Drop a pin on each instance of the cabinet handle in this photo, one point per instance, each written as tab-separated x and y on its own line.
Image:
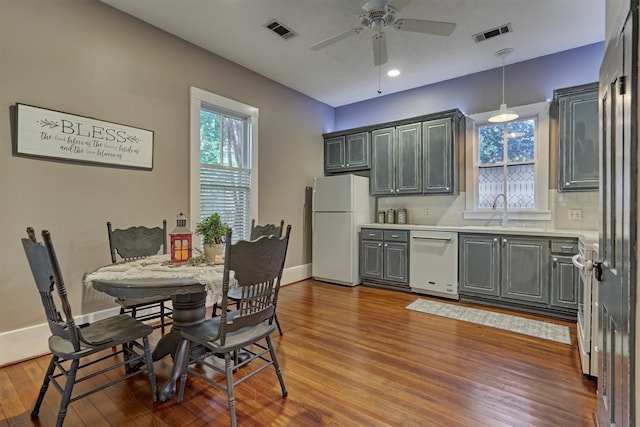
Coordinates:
372	234
504	240
555	259
495	239
379	244
567	183
395	236
347	164
386	245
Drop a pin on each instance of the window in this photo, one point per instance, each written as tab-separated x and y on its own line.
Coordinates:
512	159
223	161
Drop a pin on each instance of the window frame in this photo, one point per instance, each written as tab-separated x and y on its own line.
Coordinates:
538	111
198	97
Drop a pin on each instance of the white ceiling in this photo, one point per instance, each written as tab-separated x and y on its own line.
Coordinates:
343	72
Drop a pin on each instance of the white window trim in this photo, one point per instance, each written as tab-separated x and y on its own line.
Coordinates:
539	110
198	96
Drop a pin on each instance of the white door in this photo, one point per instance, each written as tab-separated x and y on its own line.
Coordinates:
333	250
332	194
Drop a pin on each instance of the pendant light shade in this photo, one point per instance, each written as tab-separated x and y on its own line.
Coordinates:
503	115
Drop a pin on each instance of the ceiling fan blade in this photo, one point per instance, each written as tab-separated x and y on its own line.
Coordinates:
336	38
398	5
427	27
379	49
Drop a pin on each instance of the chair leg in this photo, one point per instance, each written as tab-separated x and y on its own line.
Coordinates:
214	310
68	389
185	367
162	317
45	386
275	317
276	365
150	371
229	365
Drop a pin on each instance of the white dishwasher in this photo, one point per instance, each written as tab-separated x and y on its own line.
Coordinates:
434	263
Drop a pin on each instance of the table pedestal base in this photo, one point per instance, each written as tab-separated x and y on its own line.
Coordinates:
188	310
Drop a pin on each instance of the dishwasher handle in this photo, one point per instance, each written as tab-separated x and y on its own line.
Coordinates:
444	239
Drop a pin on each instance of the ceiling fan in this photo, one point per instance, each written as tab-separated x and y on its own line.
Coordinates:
380	15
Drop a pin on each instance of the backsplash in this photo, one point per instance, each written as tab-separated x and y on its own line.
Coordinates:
447	211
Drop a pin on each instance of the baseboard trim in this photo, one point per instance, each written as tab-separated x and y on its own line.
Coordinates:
30	342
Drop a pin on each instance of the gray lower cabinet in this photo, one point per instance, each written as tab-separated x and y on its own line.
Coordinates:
578	137
517	272
345	153
384	257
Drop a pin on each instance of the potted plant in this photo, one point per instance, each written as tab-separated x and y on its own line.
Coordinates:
213	232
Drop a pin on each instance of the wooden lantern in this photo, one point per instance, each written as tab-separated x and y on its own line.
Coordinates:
181	247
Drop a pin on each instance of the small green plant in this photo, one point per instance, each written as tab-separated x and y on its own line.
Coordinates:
212	230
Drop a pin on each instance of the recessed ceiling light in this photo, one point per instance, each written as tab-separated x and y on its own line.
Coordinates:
393	73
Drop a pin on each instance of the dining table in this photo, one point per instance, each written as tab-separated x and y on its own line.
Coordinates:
186	285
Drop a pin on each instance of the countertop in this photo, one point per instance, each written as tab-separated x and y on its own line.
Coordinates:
586	236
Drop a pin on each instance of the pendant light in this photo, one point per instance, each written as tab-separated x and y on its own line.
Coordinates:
503	114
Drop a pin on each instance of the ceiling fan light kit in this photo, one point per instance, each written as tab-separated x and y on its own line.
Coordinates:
503	115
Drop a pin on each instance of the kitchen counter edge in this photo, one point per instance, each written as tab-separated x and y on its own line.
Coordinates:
586	236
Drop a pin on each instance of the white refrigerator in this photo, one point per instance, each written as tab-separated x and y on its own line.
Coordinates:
341	203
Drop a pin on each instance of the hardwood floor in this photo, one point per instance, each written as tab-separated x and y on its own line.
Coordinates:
351	357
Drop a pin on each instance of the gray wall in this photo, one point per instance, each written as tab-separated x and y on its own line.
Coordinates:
526	82
84	57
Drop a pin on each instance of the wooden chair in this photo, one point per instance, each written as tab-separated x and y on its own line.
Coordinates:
256	232
257	267
134	243
72	344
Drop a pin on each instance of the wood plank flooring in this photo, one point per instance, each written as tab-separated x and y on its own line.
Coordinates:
351	357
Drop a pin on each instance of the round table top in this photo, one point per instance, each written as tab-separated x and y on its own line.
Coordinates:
140	288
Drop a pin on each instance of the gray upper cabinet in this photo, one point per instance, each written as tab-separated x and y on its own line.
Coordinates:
578	137
345	153
408	148
395	160
416	156
437	157
383	169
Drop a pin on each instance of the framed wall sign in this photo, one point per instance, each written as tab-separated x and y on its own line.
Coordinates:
56	135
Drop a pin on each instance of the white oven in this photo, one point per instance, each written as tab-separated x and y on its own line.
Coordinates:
587	307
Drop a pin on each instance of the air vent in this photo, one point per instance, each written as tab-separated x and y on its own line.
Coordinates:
280	30
494	32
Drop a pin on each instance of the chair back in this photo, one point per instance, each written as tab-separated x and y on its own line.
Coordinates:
46	273
137	242
265	230
257	267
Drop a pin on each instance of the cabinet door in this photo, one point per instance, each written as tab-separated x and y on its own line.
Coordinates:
479	265
371	259
357	151
408	159
525	269
437	160
396	262
382	179
334	154
564	282
578	143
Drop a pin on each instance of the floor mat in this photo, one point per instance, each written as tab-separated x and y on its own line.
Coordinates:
534	328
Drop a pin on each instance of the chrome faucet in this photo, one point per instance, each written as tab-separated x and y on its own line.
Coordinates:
505	221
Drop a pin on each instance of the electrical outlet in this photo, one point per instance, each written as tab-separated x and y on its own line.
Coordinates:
427	212
575	214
